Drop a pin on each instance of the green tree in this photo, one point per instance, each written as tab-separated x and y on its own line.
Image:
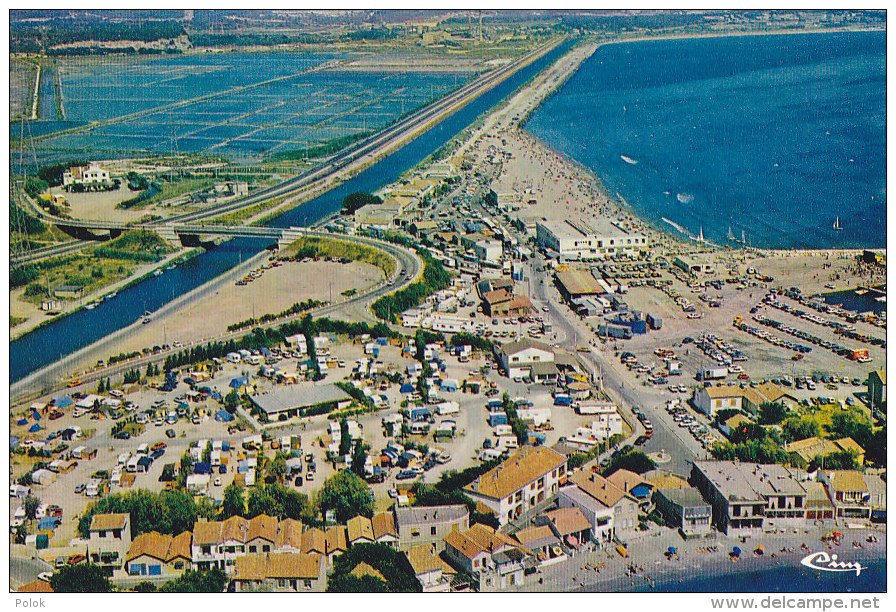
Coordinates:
200	581
347	495
207	453
31	504
145	587
359	457
233	504
81	578
634	461
262	502
231	401
393	565
35	186
771	413
876	448
345	440
841	460
746	432
21	534
347	583
795	428
277	467
851	425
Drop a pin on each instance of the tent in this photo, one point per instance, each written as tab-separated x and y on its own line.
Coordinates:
34	428
35	415
239	381
62	401
22	422
407	388
736	551
222	416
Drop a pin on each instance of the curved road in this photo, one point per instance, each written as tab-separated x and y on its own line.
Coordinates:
408	268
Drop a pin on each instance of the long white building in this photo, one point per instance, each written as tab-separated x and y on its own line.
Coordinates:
595	239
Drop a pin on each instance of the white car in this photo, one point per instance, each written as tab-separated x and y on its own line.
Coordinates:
218	481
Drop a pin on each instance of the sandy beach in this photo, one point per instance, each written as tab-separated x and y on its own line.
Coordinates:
605	571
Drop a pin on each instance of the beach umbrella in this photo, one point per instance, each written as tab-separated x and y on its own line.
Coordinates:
736	551
672	550
837	534
760	547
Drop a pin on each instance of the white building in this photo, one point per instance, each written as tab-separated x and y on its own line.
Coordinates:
517	358
91	176
489	251
610	510
595	239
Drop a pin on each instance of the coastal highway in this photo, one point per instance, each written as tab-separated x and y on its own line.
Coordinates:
340	166
408	269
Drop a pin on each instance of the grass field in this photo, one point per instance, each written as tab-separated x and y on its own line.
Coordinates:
338	249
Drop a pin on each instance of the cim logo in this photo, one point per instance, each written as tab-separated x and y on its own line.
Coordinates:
828	563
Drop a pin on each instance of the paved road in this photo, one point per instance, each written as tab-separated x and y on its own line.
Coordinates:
23	568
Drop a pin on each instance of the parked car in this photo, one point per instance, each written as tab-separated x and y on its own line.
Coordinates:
406	475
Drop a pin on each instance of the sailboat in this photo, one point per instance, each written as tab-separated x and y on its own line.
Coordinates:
837	225
730	233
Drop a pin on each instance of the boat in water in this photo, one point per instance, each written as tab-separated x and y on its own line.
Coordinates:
730	234
629	160
837	225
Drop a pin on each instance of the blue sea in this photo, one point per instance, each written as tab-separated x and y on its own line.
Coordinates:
774	137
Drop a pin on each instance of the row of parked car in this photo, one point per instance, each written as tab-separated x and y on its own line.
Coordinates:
686	420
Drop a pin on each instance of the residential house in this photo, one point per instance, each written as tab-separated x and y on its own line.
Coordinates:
429	524
289	536
280	573
261	534
109	539
384	529
335	541
732	423
818	504
542	541
710	400
232	542
433	573
848	492
568	524
206	535
314	540
494	559
802	452
360	530
633	484
611	511
685	509
522	485
157	554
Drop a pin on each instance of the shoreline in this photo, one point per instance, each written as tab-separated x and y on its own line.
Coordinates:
622	207
604	570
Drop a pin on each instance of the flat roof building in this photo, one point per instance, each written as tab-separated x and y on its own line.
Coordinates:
593	239
292	400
